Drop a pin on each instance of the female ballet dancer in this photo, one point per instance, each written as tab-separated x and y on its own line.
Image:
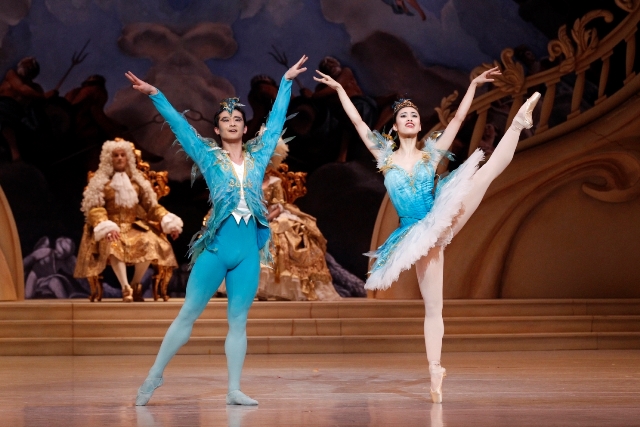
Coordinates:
236	237
429	217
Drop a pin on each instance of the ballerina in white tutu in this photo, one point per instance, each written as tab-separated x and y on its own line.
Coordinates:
429	217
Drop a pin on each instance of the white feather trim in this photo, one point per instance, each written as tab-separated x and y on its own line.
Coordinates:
171	222
103	228
434	229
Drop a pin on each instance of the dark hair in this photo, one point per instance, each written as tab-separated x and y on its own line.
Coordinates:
216	118
395	115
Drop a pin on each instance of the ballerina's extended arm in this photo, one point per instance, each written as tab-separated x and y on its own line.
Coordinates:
450	132
361	127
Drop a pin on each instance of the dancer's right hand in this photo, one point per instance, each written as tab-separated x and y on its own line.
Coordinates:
328	80
140	85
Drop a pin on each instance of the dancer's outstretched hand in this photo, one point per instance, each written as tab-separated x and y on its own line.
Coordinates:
297	69
141	85
328	80
486	76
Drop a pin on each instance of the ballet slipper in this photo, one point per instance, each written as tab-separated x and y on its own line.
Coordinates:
437	376
524	117
236	397
127	294
146	390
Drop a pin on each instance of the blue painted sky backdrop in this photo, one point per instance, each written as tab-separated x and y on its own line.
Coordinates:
457	34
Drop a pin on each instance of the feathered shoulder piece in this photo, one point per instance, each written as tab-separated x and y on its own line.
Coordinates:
431	153
256	143
384	144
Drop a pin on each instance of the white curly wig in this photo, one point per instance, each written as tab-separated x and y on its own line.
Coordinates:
93	195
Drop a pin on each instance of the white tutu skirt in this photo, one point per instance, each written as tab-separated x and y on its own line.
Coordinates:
408	244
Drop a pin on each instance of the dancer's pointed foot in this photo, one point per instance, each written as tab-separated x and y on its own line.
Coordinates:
437	376
236	397
146	390
524	117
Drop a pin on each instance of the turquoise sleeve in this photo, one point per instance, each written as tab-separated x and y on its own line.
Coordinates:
275	121
186	135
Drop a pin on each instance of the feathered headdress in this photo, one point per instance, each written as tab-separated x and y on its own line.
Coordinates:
230	104
401	103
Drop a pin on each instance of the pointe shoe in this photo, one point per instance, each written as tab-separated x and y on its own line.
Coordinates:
236	397
127	294
524	118
137	292
437	370
146	390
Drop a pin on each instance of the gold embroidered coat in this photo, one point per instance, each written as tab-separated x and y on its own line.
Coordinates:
300	270
141	236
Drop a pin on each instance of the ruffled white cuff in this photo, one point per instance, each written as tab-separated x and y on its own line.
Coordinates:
104	228
171	222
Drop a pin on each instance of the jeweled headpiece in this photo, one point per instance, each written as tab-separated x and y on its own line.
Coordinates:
401	103
230	104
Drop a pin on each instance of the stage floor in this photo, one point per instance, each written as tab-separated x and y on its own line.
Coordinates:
546	388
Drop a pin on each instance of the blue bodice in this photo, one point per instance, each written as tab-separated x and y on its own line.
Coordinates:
411	192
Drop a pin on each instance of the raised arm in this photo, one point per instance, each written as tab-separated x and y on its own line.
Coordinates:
278	114
450	132
361	127
181	128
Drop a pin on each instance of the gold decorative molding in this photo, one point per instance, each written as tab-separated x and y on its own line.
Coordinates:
512	78
444	110
628	5
292	182
585	40
619	173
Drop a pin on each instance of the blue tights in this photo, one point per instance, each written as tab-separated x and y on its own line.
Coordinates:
232	255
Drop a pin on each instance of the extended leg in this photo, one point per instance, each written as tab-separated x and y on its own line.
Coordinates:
204	280
242	285
430	271
497	163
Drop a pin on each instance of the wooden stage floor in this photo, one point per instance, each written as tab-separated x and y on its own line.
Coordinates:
543	388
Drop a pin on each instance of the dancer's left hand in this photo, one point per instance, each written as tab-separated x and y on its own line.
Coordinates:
297	69
486	76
